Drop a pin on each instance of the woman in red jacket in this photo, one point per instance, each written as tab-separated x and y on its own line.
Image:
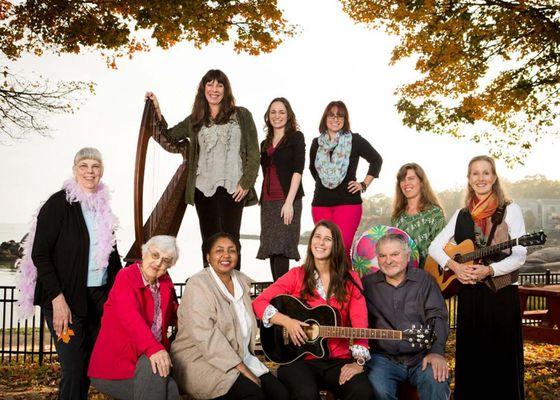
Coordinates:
130	359
325	278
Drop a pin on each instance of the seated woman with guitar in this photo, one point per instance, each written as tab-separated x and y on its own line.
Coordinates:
489	342
325	278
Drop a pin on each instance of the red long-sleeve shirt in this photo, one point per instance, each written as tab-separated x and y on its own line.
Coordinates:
353	311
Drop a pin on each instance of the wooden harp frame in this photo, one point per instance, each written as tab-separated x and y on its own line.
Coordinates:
166	217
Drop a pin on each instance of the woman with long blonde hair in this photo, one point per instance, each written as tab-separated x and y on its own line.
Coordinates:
489	340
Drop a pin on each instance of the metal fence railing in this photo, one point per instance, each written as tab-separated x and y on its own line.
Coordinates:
30	340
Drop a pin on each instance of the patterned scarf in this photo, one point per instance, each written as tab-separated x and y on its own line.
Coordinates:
481	213
332	168
105	224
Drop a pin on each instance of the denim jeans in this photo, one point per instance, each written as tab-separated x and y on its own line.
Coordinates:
385	375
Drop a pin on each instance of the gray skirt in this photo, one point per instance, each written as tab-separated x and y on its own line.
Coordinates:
277	238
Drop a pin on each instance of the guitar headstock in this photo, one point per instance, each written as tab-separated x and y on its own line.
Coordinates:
419	336
532	239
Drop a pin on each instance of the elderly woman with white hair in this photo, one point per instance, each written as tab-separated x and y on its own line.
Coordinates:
70	261
130	359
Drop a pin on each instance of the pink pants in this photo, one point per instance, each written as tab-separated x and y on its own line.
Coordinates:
347	217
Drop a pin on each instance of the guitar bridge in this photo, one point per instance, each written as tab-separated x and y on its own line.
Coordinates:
285	337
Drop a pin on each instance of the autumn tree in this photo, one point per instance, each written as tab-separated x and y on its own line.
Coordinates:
489	70
121	28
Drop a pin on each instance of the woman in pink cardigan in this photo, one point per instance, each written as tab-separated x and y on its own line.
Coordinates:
325	278
130	359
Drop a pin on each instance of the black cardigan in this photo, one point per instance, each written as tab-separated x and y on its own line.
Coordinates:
60	253
325	197
288	159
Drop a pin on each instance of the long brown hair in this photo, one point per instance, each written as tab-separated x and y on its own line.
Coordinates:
200	115
338	265
427	196
291	123
496	187
341	108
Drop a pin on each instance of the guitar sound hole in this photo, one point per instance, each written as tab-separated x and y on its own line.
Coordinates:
311	331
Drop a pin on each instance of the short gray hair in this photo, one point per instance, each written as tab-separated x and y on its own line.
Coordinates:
88	153
164	243
393	237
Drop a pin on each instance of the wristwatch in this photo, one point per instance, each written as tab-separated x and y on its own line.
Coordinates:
364	187
360	361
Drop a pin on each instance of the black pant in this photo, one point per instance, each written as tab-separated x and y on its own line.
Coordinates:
245	389
279	265
218	213
305	378
74	356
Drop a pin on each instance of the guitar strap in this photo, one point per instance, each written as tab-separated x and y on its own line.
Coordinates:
497	219
496	283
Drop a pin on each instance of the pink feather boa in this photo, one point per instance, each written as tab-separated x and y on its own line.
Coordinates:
105	225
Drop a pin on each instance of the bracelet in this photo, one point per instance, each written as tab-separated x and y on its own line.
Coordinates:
364	187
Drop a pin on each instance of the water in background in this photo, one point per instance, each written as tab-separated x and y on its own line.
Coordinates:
190	259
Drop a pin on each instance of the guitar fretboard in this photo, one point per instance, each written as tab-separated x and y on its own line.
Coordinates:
488	251
359	333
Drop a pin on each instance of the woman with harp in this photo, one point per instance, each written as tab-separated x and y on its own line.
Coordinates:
223	155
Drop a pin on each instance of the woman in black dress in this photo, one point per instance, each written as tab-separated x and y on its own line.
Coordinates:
489	339
282	161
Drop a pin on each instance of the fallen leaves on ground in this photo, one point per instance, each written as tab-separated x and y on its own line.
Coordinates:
31	381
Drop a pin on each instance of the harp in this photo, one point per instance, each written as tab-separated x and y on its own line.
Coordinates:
166	217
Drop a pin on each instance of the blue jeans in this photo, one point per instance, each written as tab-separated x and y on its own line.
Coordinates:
385	375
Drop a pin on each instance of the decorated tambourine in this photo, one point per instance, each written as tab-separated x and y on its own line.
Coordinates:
364	260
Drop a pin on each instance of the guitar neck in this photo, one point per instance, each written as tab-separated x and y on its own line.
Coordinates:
488	251
358	333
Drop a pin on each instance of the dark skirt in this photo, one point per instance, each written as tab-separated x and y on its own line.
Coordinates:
277	238
489	344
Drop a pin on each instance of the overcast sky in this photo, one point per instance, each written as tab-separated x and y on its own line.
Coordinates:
331	59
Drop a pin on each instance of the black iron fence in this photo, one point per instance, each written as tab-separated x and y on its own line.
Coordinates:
30	340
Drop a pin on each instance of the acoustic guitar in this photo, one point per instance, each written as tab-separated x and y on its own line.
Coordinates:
467	253
324	323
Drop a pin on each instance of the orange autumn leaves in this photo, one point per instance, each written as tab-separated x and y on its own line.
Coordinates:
123	28
66	335
487	70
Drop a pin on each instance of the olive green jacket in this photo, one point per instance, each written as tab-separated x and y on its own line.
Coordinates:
182	135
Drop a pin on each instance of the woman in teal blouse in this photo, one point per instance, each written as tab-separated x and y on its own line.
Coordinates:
416	208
